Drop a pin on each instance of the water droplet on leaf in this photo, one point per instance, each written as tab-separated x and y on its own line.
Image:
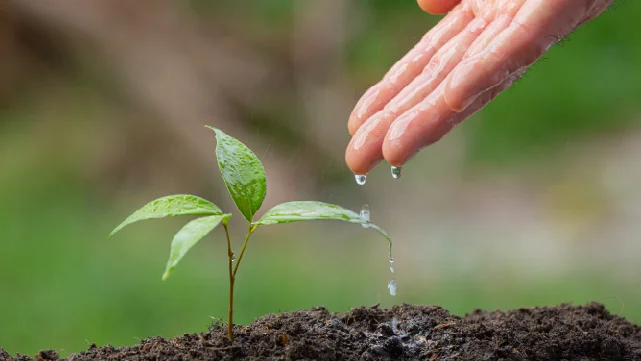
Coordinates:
391	264
365	215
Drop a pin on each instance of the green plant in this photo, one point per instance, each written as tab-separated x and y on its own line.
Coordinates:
245	179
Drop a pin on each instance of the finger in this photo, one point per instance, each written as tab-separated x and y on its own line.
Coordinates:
429	121
499	16
437	69
596	9
437	6
405	70
533	30
365	149
456	118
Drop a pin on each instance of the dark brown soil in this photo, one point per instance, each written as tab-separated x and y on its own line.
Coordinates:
403	333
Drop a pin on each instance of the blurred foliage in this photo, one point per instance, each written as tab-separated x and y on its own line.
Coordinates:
64	285
589	83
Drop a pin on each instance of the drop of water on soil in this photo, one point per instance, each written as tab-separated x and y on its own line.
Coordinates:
360	179
391	264
396	172
365	215
392	287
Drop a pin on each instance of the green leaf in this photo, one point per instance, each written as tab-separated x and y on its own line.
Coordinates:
309	210
188	236
176	205
242	172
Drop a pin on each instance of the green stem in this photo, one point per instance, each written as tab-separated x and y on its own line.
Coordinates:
230	312
232	276
242	251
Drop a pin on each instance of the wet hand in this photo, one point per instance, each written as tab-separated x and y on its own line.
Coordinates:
474	53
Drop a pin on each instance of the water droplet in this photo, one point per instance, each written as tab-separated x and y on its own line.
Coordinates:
396	172
394	323
392	287
392	283
233	258
360	179
365	215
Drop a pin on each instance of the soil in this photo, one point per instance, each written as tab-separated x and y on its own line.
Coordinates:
405	332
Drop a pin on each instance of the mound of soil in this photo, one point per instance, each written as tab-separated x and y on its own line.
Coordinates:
403	333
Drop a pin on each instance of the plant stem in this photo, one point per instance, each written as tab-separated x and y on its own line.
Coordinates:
232	276
242	251
230	312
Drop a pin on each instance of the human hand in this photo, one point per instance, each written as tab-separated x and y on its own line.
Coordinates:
473	54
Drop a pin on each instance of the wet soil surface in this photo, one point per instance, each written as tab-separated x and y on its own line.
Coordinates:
403	333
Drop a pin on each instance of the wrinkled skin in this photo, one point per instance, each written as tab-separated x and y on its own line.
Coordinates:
473	54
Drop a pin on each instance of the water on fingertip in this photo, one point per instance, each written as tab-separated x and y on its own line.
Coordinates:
360	179
396	172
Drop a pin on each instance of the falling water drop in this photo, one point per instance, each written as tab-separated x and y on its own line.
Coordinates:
365	215
360	179
394	323
392	283
396	172
392	287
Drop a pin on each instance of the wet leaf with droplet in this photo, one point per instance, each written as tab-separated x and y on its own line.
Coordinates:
310	210
242	172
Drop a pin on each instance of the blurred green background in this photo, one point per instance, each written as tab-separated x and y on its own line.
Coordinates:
533	201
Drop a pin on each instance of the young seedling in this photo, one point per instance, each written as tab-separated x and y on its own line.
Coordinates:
245	179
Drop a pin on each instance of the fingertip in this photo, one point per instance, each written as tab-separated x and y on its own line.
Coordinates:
398	154
396	150
364	151
414	131
359	164
437	7
395	156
